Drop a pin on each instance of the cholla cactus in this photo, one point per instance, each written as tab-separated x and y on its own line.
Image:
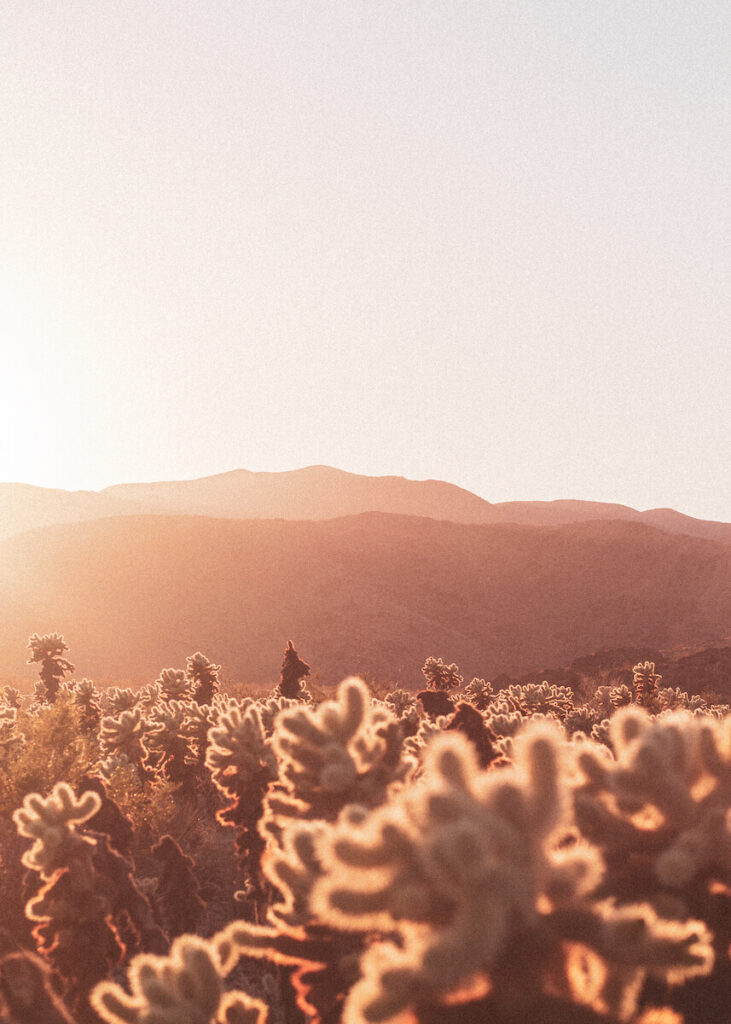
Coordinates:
435	703
620	696
440	676
544	698
344	751
293	670
415	746
503	719
660	814
126	904
271	707
109	819
466	871
665	798
175	684
183	988
177	895
48	651
123	736
10	739
26	992
168	748
674	699
52	822
10	696
149	696
294	867
118	699
601	702
73	925
239	751
324	961
199	719
112	763
580	720
85	696
479	693
645	683
203	675
468	720
400	702
8	718
242	764
600	733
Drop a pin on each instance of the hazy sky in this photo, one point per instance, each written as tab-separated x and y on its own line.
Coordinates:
480	241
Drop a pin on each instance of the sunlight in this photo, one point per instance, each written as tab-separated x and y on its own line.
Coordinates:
34	370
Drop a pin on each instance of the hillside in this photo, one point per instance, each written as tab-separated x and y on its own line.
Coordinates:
314	493
25	507
371	593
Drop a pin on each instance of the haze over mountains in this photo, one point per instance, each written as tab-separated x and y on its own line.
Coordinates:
316	492
365	575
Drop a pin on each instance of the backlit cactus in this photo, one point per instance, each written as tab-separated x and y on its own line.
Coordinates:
479	693
175	684
169	750
242	763
344	751
185	987
123	736
51	822
48	651
466	867
645	682
117	699
666	796
524	857
203	675
72	917
440	676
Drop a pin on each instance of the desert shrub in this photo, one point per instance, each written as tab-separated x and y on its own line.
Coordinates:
149	805
55	749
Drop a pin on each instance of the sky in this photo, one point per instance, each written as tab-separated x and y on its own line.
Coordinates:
484	242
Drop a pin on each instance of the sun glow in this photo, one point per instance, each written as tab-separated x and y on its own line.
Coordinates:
34	369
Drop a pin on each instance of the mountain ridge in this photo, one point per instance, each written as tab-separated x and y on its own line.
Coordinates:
316	493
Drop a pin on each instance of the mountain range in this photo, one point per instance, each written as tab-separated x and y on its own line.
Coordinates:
316	492
364	574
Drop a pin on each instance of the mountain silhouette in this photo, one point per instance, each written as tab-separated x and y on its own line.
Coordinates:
314	493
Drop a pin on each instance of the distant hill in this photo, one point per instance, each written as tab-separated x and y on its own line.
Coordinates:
371	593
25	507
313	493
